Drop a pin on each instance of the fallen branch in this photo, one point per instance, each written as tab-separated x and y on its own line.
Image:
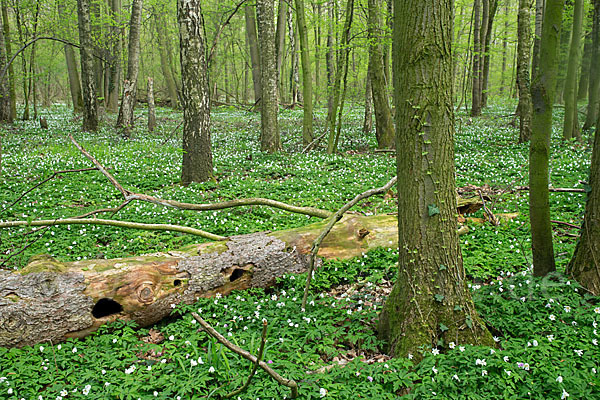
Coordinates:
334	219
245	354
559	190
491	217
261	350
566	224
314	143
111	222
128	195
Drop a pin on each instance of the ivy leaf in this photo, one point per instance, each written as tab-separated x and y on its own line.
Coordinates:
432	210
439	297
457	308
469	321
443	327
443	267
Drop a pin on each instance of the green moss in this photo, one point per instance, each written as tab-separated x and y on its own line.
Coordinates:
41	263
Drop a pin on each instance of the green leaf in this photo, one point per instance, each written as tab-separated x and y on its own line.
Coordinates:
443	327
432	209
439	297
469	321
443	267
457	308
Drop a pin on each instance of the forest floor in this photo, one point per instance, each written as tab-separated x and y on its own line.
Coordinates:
545	328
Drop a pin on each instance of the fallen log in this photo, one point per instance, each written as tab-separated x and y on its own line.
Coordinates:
50	300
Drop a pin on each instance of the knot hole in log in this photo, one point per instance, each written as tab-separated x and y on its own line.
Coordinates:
105	307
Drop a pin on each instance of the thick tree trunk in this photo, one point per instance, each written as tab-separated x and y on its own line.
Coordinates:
11	70
125	118
90	112
197	151
585	264
5	110
430	303
307	96
270	140
594	89
250	17
571	120
384	125
524	109
542	93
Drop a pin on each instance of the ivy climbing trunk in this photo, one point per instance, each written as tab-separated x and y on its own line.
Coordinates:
90	111
197	163
523	59
542	93
571	124
270	140
430	304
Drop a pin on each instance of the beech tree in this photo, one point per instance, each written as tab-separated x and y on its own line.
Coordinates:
571	124
430	302
197	151
523	60
542	92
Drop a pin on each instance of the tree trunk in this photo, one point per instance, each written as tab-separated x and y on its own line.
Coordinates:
540	5
151	107
72	72
384	126
115	70
269	138
340	73
586	61
307	96
294	78
505	44
317	29
125	118
197	152
485	70
282	15
329	63
5	102
563	56
97	48
90	112
11	70
250	17
162	43
24	69
368	118
476	87
430	304
571	120
594	90
524	109
542	93
585	264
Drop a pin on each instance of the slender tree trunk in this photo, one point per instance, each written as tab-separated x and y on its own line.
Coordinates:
282	15
571	123
25	80
585	264
476	87
543	92
329	63
197	151
317	29
115	69
72	72
161	25
294	78
125	118
90	112
539	19
594	88
151	107
270	140
430	303
586	61
96	19
383	115
307	125
5	102
341	72
368	118
11	70
485	72
250	18
505	45
524	109
563	57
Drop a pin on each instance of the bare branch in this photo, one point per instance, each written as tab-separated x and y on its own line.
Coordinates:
245	354
110	222
334	219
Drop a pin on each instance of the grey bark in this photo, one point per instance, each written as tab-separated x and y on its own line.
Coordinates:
72	72
151	107
115	69
307	91
250	18
197	151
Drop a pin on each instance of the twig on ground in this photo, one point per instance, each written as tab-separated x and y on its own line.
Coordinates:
261	350
334	219
129	195
110	222
565	223
314	143
245	354
491	217
558	190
